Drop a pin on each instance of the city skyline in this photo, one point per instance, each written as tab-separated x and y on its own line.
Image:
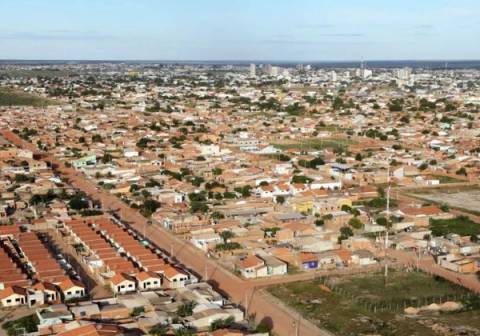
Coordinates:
241	30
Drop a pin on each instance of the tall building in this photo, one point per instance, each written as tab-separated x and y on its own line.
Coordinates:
253	70
404	74
268	69
274	71
332	76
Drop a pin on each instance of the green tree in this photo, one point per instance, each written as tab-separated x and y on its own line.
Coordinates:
355	223
227	235
106	158
97	138
186	309
149	207
158	330
345	233
280	199
337	103
217	171
461	171
301	179
183	332
78	202
222	323
262	327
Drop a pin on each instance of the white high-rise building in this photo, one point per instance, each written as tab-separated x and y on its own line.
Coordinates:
268	69
253	70
404	74
366	73
274	71
332	76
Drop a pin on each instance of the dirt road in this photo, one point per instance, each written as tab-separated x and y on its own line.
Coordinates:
239	291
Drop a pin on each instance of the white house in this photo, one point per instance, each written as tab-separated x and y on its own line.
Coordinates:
13	296
72	289
148	281
122	283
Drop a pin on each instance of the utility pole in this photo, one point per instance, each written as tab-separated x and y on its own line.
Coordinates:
294	325
388	221
387	210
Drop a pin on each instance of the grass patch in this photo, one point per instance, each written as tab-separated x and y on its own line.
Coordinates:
401	286
345	305
446	179
27	324
316	144
461	225
10	97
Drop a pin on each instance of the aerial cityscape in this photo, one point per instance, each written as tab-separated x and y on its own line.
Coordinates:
162	178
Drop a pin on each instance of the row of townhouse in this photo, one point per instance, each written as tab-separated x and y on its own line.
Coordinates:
291	189
120	260
42	292
30	276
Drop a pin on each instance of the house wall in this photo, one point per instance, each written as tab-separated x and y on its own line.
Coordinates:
123	287
149	284
14	300
74	293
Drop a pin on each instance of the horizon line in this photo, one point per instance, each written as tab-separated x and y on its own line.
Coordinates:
240	60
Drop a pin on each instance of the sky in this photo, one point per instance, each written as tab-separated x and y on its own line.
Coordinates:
276	30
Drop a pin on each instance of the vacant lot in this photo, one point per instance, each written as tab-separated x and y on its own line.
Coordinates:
364	304
468	198
315	144
461	225
9	97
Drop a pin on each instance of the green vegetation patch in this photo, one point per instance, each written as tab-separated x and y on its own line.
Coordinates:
461	225
316	144
21	326
366	304
10	97
446	179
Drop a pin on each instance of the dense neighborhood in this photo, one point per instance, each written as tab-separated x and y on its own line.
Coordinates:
269	172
